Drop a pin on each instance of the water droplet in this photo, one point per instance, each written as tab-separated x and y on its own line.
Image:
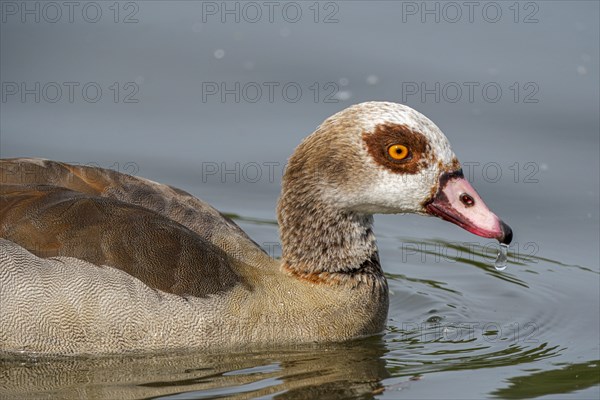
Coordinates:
219	53
372	79
343	95
500	263
344	81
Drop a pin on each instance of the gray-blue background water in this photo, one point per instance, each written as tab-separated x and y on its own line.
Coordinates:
213	97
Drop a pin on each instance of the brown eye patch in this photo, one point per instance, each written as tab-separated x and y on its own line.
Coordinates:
385	135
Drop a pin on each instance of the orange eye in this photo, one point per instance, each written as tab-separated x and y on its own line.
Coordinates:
398	151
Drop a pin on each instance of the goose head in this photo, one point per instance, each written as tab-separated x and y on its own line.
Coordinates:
380	157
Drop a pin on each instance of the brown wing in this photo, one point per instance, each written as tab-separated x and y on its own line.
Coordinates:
55	221
175	204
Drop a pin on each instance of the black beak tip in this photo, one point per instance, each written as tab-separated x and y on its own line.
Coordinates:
507	234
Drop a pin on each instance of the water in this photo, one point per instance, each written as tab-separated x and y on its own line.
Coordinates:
500	263
457	326
442	331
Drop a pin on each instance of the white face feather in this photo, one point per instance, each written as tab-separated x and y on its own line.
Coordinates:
378	189
391	193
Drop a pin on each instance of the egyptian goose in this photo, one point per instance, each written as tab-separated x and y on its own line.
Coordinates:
95	261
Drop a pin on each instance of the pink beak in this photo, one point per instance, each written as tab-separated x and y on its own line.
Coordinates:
456	201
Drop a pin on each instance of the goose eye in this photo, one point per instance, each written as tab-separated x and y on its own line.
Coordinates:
398	152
